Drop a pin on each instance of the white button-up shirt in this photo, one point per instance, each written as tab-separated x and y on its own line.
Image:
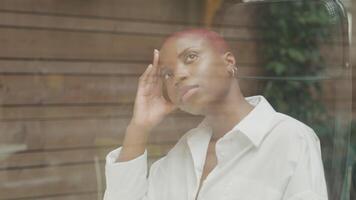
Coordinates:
266	156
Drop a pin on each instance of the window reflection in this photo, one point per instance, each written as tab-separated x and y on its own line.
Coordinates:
69	77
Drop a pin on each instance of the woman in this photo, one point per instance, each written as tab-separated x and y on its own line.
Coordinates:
243	149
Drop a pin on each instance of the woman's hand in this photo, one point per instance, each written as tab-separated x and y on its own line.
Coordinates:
150	105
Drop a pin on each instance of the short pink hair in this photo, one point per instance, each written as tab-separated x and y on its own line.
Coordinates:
212	37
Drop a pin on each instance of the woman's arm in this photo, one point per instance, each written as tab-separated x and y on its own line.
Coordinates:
149	109
126	166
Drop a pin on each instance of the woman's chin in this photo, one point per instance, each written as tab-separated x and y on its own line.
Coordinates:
193	108
194	105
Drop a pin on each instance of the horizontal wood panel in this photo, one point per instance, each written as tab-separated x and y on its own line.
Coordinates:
237	14
76	196
59	45
156	10
21	43
93	68
57	182
55	112
43	159
49	181
51	158
86	133
110	26
55	89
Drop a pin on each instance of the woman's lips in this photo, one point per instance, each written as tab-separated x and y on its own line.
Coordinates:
188	91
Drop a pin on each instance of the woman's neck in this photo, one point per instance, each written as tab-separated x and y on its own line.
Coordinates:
227	113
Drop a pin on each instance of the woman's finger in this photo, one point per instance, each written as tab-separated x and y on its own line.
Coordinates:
151	72
155	57
144	76
156	69
152	76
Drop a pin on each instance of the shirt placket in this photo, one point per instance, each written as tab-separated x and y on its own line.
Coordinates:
228	152
198	146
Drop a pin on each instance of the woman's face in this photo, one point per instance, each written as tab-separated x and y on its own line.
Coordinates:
193	61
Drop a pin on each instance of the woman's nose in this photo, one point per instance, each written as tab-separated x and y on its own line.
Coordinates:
181	74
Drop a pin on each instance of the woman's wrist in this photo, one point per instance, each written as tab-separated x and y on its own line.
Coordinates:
139	127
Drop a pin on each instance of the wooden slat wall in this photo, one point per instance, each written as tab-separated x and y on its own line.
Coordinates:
69	74
68	78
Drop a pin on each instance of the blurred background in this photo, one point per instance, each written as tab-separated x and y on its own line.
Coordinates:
69	71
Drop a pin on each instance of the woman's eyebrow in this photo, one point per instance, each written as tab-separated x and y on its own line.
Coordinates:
184	51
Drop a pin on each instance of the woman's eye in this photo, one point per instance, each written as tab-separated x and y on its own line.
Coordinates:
191	57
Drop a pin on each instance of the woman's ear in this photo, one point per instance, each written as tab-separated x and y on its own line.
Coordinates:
229	59
230	62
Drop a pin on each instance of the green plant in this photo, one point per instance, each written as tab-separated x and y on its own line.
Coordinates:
292	33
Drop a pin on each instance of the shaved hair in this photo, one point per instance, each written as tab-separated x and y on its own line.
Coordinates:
210	36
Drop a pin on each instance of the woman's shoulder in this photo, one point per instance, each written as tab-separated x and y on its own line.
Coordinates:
291	127
293	135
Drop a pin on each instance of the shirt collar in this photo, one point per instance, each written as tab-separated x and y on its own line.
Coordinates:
255	125
249	132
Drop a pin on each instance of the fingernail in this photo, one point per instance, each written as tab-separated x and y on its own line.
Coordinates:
155	50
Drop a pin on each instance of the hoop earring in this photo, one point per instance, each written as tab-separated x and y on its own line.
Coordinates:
234	71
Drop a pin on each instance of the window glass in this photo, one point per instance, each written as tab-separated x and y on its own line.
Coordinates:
70	73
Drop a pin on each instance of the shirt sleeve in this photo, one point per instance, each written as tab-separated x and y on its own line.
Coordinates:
125	180
129	180
308	181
